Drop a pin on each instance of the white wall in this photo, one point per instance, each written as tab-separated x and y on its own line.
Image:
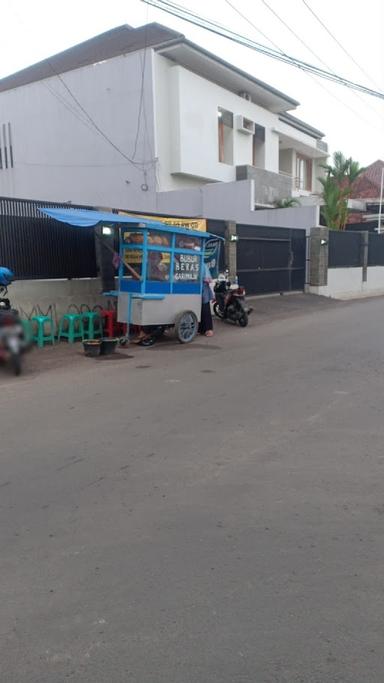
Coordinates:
27	295
347	283
298	135
57	157
234	201
187	128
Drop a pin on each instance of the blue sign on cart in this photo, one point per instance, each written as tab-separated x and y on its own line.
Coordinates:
212	257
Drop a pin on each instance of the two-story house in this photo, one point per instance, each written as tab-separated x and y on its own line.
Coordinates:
138	111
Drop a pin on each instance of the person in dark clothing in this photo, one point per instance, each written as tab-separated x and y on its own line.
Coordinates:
206	322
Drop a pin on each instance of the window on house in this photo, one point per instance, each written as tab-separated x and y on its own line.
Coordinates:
258	147
6	147
303	173
225	132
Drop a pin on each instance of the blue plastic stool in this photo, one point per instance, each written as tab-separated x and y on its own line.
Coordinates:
71	327
92	325
40	335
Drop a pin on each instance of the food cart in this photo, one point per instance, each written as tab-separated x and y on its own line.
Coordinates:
161	270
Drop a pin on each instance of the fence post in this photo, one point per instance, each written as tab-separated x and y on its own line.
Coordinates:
104	245
318	257
231	248
364	254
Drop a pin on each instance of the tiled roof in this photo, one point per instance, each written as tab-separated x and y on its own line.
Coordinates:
373	172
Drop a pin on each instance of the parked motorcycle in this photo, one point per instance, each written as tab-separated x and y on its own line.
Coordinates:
229	303
12	337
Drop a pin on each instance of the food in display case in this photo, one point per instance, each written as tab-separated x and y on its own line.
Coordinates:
133	237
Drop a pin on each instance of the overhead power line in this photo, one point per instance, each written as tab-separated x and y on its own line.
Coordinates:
89	121
314	78
223	31
325	27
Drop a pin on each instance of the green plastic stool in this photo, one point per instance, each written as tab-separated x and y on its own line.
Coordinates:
40	336
71	327
92	325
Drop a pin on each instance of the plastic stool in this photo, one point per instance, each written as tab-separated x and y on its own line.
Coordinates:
74	328
92	325
39	335
109	320
27	329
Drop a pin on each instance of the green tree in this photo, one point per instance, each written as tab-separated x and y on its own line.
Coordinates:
286	203
337	189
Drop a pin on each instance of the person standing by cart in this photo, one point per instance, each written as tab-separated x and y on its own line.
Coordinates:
206	322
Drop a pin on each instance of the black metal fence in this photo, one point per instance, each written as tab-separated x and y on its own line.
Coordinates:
271	259
375	249
346	249
37	247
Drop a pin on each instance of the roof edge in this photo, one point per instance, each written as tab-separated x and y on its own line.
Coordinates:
301	125
115	42
244	74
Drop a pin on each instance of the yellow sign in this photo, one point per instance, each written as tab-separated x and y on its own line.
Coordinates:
133	256
191	223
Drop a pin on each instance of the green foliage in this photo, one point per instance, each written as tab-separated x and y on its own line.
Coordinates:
287	203
337	188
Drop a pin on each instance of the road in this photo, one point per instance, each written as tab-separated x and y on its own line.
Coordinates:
202	514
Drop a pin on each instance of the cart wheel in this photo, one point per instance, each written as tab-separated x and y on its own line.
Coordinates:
186	326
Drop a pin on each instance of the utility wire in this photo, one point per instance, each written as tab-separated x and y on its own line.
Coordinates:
143	60
356	94
243	16
89	119
314	78
340	44
219	29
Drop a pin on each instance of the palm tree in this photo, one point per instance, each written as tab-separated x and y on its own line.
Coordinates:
331	198
287	203
337	189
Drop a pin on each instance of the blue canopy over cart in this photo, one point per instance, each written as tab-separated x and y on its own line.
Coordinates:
161	269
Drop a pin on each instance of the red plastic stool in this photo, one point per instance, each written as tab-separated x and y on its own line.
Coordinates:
109	322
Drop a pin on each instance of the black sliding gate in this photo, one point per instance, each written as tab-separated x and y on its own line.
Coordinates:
271	259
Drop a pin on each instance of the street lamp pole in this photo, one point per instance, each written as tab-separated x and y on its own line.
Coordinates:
381	201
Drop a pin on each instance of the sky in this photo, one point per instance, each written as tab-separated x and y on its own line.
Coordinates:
352	122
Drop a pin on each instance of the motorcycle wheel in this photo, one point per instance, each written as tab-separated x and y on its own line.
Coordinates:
217	311
243	321
148	341
15	361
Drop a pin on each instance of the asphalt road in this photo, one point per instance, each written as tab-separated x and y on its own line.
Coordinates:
202	514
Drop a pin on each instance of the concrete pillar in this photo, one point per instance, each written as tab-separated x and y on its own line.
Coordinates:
318	257
231	248
364	253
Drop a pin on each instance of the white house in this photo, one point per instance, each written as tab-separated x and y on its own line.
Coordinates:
135	112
